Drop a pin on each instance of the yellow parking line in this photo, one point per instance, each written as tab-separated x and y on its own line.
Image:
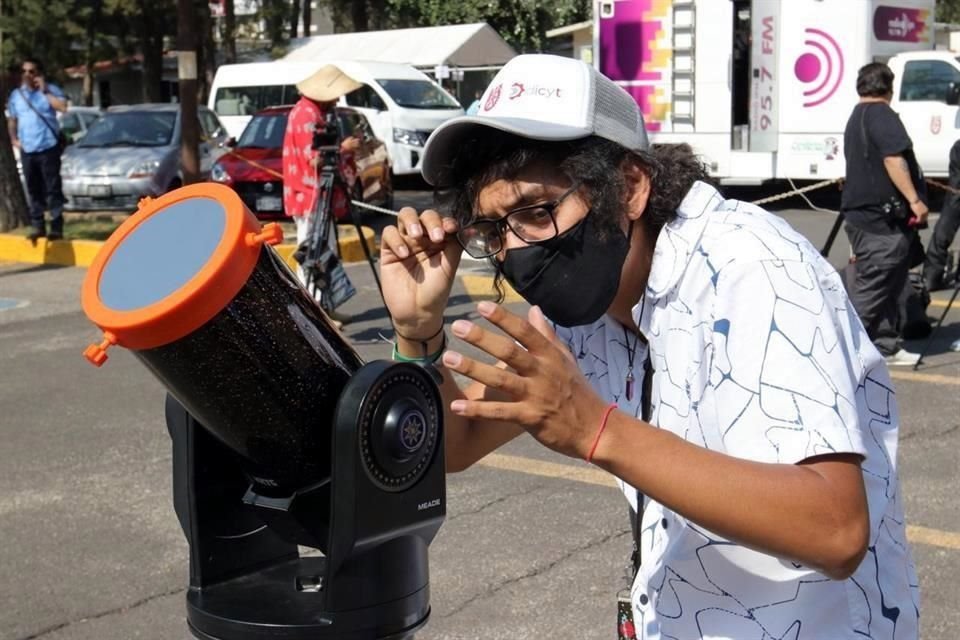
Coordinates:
943	303
932	378
481	287
589	475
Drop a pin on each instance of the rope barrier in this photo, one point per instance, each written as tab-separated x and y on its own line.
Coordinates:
945	187
796	191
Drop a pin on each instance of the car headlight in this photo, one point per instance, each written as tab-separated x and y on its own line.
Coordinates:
219	174
144	169
409	136
67	169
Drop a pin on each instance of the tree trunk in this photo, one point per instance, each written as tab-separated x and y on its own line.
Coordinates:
151	46
378	14
358	12
307	19
275	17
229	32
295	17
13	203
189	123
206	50
91	50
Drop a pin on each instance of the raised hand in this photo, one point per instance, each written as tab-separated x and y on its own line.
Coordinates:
418	261
548	396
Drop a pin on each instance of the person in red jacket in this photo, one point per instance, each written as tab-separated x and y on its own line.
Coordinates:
301	161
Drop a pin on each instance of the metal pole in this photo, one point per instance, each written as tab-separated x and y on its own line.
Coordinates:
187	74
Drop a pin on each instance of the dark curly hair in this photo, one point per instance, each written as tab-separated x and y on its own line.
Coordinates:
597	163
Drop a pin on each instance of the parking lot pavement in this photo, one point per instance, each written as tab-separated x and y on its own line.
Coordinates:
533	543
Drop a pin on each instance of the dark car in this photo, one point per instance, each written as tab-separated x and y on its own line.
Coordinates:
253	166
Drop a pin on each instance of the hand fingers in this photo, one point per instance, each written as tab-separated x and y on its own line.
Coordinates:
437	227
539	322
415	233
489	375
392	244
500	347
408	222
503	411
514	326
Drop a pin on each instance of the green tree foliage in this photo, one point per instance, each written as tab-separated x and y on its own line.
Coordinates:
522	23
948	10
46	30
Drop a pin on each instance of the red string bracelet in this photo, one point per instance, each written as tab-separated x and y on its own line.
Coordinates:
603	425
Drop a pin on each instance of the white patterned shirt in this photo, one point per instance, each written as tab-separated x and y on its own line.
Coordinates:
757	353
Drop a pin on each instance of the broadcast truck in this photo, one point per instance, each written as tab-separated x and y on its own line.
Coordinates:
762	89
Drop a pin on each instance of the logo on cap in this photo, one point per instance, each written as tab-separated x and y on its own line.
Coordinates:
492	98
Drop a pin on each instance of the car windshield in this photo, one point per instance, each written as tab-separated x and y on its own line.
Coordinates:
418	94
131	129
264	131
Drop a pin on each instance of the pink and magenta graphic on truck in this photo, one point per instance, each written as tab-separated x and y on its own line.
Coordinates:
901	24
629	54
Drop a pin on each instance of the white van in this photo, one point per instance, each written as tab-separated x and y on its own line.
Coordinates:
240	90
403	105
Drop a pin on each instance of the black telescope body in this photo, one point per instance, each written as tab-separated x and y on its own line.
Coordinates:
282	436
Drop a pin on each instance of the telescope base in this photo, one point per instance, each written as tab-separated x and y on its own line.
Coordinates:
268	605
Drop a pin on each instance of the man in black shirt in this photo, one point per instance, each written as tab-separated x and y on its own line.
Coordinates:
882	206
935	267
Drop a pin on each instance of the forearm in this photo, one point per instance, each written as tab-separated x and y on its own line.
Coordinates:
899	172
59	104
12	130
791	511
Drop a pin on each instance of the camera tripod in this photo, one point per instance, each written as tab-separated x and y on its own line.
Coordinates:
936	328
319	260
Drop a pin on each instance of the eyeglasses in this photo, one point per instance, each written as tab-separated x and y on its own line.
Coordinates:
484	237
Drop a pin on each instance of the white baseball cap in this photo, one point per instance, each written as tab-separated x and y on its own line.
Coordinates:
541	97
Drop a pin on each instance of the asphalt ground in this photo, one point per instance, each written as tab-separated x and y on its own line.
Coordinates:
533	545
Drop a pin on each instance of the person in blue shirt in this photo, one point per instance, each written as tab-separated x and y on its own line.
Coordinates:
34	129
474	107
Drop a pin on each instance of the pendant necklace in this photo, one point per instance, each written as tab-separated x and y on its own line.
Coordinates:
631	352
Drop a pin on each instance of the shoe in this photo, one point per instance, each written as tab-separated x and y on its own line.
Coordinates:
36	234
55	236
339	318
902	358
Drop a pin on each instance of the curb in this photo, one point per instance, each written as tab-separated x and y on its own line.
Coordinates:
80	253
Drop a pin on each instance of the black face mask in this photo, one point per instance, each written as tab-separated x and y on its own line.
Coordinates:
573	277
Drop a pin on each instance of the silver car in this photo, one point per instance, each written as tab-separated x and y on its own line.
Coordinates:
131	152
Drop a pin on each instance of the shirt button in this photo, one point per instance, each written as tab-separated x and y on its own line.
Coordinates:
644	599
663	523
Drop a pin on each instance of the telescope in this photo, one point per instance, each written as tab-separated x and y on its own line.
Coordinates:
283	438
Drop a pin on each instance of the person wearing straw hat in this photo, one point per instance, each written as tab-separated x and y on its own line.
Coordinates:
319	93
698	349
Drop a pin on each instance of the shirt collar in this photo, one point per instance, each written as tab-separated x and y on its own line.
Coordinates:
676	244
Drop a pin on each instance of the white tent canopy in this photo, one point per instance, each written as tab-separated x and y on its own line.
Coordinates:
458	45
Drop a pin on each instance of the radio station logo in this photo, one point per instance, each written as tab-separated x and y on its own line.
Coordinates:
819	67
